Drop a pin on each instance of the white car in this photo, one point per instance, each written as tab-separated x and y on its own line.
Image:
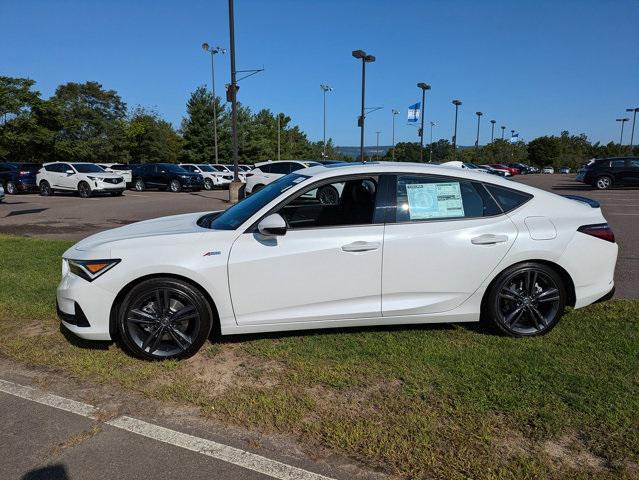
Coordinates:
213	178
267	172
84	178
119	168
401	244
547	170
229	171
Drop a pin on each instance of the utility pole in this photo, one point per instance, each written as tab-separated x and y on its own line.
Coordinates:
365	58
213	51
377	146
457	103
279	128
395	113
632	133
622	120
430	149
479	114
423	87
503	129
325	88
492	132
235	186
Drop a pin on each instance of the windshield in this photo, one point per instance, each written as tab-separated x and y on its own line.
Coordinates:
219	168
242	211
206	168
87	168
170	167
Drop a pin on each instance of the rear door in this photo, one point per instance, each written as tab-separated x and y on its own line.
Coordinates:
443	238
632	171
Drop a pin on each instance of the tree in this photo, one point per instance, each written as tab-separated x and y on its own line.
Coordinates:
197	129
544	151
93	123
151	139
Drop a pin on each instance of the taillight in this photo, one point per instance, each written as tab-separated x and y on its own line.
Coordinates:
25	172
599	230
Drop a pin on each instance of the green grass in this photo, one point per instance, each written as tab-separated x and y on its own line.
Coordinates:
420	402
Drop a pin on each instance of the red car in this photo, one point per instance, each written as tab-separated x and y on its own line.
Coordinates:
500	166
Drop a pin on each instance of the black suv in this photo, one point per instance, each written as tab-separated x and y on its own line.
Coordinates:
604	173
166	176
19	177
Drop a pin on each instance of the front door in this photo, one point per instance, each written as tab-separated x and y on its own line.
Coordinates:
444	239
65	179
326	267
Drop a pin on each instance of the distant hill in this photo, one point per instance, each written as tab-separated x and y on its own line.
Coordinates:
353	152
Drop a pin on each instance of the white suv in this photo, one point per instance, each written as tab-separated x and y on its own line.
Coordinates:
84	178
229	171
212	177
120	168
267	172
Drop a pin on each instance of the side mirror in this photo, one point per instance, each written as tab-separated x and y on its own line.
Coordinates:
70	172
273	225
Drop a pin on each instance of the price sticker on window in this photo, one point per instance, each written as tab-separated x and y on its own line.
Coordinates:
434	200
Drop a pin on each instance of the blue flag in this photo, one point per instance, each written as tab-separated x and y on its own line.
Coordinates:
413	112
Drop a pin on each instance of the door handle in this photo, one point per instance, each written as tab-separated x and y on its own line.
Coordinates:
489	239
360	246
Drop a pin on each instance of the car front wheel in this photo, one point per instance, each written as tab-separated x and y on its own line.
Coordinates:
164	318
139	185
45	189
208	184
603	182
84	190
175	186
525	300
11	188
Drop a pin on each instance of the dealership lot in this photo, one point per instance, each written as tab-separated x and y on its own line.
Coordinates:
66	216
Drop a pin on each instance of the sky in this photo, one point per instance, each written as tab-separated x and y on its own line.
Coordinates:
538	67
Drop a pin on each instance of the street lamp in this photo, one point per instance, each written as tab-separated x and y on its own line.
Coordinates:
395	113
325	88
365	58
622	120
231	94
213	51
632	134
479	114
503	129
492	131
430	149
457	103
423	86
377	145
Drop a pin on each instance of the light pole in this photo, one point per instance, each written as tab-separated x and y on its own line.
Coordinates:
231	93
457	103
479	114
365	58
325	88
632	133
377	145
395	113
622	120
492	131
279	128
430	147
503	129
213	51
423	86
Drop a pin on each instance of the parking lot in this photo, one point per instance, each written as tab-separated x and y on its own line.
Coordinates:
66	216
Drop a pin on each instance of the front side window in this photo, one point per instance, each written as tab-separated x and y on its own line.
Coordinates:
633	163
205	168
422	197
87	168
340	203
283	168
617	163
188	168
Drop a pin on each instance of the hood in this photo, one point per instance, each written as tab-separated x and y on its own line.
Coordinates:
157	227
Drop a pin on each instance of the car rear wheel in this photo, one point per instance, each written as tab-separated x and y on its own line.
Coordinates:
328	195
257	188
139	185
526	300
603	183
45	189
164	318
208	184
175	186
84	190
11	188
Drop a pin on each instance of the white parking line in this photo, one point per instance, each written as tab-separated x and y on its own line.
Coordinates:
219	451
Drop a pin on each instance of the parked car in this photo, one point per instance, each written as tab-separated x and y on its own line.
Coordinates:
166	176
547	170
18	177
243	168
494	171
399	244
533	169
1	193
121	168
213	178
500	166
230	171
605	173
564	170
521	167
267	172
82	177
458	164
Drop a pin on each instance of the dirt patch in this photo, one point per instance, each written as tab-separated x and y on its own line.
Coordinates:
34	330
569	451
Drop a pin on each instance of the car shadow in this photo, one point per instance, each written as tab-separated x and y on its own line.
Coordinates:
50	472
85	344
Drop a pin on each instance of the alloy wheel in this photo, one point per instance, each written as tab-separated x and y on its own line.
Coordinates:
528	302
175	186
603	183
84	190
163	322
328	195
11	188
208	184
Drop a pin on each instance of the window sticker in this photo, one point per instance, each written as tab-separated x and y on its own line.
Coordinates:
434	200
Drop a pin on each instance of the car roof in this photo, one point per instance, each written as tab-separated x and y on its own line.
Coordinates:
282	161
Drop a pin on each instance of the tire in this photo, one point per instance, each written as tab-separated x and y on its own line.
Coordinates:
45	189
525	300
84	190
139	185
327	195
208	184
154	329
603	183
175	186
257	188
11	188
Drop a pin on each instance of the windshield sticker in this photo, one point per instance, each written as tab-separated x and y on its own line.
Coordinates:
434	200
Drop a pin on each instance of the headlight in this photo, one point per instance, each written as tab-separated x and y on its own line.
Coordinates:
92	178
91	269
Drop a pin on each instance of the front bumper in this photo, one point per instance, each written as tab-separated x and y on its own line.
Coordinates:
84	308
26	185
97	186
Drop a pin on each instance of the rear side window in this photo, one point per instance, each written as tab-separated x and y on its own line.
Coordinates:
421	197
283	168
633	163
265	168
297	166
507	198
617	163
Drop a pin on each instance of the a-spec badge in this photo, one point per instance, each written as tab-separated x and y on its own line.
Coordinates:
210	254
